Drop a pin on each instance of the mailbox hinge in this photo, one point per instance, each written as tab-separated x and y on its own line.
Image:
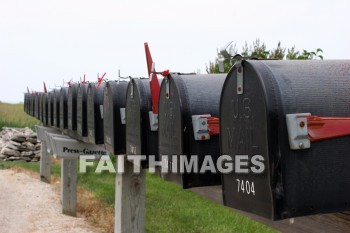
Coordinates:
131	90
239	77
167	90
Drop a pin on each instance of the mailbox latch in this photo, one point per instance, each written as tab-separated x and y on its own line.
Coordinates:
122	116
200	127
153	120
297	131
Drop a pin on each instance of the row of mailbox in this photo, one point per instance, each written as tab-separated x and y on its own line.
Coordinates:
251	101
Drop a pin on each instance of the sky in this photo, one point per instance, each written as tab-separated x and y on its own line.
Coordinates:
56	40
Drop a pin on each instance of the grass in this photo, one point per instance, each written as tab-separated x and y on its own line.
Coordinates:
13	115
169	208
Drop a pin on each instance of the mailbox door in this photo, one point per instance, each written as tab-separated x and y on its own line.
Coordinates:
40	106
72	107
95	111
82	110
50	108
189	95
114	128
135	140
36	106
45	110
32	112
56	108
64	108
171	130
140	140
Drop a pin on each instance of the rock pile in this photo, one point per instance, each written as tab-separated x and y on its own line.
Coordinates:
19	144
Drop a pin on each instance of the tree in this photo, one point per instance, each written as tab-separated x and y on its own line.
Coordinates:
258	51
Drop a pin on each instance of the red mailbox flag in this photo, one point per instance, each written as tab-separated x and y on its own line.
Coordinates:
45	89
154	83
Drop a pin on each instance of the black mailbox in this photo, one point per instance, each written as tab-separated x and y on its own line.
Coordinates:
140	139
255	101
41	107
82	110
45	109
72	106
64	108
56	108
50	107
36	105
26	103
30	103
95	113
181	97
114	116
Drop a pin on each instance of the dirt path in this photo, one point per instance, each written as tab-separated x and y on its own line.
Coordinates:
29	205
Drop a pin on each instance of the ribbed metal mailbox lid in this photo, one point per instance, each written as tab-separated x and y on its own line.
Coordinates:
72	107
113	105
45	109
95	111
50	108
294	183
188	95
64	108
140	140
56	108
82	110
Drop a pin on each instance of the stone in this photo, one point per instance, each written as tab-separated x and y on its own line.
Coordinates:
38	146
14	143
27	159
3	156
9	152
32	140
37	154
27	153
11	146
35	159
18	138
29	146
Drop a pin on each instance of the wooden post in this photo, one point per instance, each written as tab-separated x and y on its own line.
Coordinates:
69	186
130	199
45	163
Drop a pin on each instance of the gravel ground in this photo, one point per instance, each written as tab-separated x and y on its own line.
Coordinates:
29	205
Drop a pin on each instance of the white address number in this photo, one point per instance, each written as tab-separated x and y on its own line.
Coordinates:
245	186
